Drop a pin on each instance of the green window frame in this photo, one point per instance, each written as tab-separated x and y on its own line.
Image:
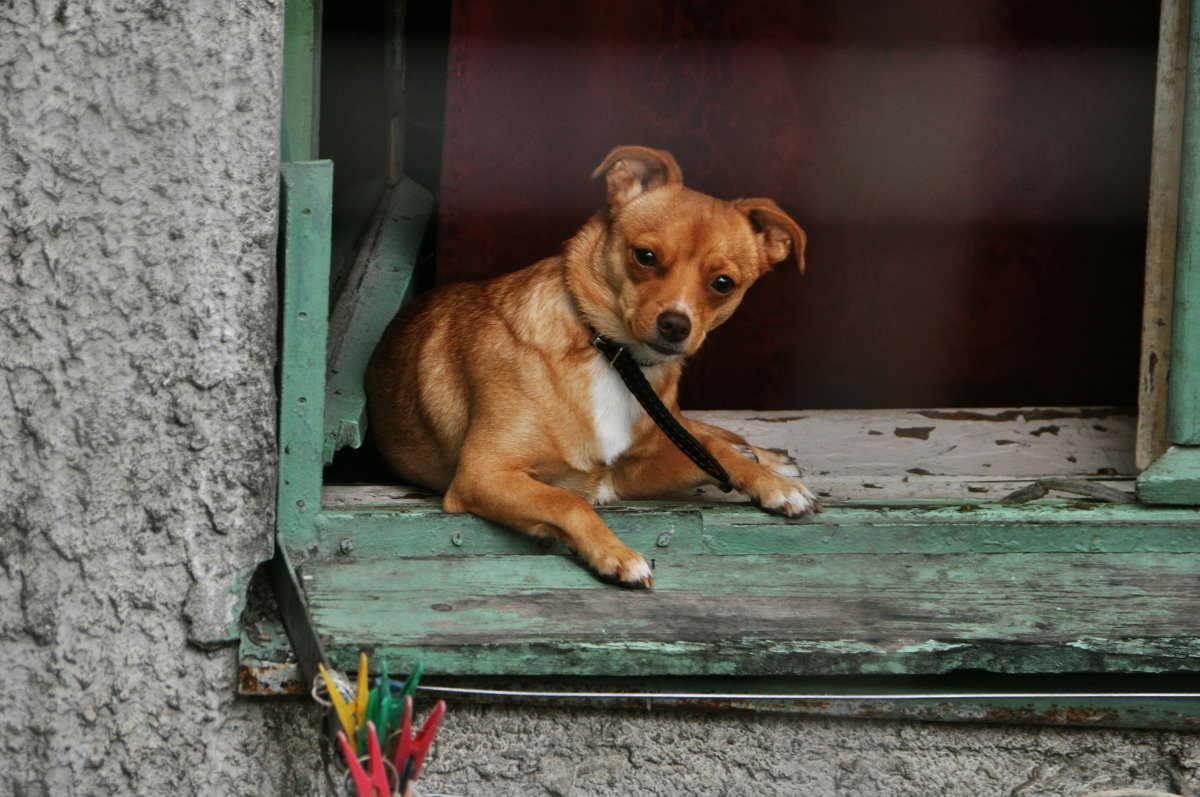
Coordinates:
876	598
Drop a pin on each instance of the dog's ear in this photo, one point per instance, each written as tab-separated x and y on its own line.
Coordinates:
776	231
632	171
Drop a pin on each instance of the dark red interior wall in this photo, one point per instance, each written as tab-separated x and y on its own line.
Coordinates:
972	175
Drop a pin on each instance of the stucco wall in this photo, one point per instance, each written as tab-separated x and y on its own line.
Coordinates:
138	187
570	753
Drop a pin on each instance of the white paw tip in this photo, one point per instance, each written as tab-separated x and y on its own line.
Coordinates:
795	503
640	574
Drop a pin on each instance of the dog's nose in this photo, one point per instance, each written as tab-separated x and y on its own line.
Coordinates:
673	327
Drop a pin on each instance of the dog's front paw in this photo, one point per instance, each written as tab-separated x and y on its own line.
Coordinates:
626	568
780	461
775	459
786	497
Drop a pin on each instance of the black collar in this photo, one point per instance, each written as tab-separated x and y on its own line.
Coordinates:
620	358
613	350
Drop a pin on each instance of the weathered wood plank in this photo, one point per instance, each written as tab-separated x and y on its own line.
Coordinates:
852	455
662	530
1161	231
1183	399
952	454
749	614
1173	479
1128	701
379	282
998	443
307	208
834	488
301	84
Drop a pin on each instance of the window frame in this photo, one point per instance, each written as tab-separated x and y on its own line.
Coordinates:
309	433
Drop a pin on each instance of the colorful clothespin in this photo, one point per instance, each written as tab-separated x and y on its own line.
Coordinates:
379	708
367	721
411	751
410	686
424	738
360	694
405	688
344	712
374	782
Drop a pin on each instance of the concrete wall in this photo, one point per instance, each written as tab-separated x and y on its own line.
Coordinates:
138	193
138	188
579	753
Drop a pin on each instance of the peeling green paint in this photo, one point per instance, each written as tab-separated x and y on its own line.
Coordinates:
1173	479
382	280
307	213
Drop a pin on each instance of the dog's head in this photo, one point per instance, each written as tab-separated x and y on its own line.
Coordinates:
676	263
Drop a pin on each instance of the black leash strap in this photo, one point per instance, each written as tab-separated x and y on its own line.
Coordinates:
631	374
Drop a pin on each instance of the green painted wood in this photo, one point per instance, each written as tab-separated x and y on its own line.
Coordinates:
1174	478
428	531
1129	701
659	530
381	280
307	218
874	587
806	614
301	79
1183	397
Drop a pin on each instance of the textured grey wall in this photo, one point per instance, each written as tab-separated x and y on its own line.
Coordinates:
138	189
570	753
138	192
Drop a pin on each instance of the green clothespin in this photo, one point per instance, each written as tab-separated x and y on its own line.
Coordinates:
372	709
395	712
410	686
383	704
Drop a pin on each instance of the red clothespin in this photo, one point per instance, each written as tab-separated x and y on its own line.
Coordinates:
415	748
425	737
375	782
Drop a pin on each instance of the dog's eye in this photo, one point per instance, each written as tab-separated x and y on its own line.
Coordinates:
645	257
723	284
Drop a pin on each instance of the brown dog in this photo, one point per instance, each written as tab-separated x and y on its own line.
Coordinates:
493	394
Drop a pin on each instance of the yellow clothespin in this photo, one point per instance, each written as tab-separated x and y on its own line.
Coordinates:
344	712
361	695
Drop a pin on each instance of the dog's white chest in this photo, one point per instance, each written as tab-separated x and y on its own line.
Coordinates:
614	411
